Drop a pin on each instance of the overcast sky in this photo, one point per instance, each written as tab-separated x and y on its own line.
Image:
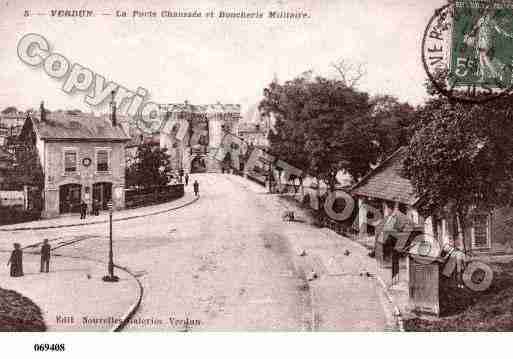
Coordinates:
210	60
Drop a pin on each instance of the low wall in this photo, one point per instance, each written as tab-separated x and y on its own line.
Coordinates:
148	196
16	214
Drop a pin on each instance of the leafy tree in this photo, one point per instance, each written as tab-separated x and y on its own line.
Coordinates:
393	123
322	126
151	167
26	170
286	103
461	156
339	135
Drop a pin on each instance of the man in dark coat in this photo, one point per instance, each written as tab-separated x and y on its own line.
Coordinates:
186	179
83	210
16	261
45	256
196	188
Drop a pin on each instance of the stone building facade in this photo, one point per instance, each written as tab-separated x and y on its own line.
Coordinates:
204	126
255	134
82	158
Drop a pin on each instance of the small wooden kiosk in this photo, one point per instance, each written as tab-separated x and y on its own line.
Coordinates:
430	291
424	284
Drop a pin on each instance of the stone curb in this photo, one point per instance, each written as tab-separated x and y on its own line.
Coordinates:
98	222
133	309
397	312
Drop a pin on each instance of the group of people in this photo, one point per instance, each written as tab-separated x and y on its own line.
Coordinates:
95	210
16	259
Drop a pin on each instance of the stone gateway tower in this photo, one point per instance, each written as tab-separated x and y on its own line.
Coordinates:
192	134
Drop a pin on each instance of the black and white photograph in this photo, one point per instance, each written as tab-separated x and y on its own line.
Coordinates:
244	166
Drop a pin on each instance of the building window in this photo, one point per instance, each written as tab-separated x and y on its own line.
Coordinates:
480	232
70	161
103	160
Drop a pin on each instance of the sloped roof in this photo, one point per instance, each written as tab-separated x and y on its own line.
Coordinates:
62	126
386	181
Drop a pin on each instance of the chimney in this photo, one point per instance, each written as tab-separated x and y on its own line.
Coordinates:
113	110
42	111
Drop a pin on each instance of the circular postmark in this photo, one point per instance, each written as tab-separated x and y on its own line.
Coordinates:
467	50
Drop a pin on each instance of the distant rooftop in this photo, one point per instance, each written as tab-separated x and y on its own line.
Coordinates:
62	126
213	108
387	182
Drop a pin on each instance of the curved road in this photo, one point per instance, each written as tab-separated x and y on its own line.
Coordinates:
222	263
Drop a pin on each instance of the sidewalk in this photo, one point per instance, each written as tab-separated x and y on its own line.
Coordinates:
123	215
73	297
345	289
397	292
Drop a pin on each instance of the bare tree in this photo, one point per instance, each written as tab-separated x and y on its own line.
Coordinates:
350	73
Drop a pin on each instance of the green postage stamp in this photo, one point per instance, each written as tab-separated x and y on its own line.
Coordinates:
482	44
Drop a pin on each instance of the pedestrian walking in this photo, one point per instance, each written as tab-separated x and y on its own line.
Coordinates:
45	256
16	261
186	179
196	188
83	210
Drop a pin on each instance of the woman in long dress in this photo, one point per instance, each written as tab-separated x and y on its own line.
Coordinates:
481	38
16	261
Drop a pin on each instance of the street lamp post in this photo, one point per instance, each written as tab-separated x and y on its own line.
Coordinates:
110	277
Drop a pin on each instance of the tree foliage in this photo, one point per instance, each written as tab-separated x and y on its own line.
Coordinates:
151	167
461	155
26	169
322	126
392	122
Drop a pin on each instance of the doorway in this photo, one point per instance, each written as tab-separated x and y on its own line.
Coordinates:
198	165
102	194
70	197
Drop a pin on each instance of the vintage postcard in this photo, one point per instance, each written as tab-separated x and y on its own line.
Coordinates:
242	166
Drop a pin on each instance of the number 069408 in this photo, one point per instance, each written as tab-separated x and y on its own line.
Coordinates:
49	347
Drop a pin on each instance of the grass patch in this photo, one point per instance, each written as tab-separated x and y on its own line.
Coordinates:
19	314
490	310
